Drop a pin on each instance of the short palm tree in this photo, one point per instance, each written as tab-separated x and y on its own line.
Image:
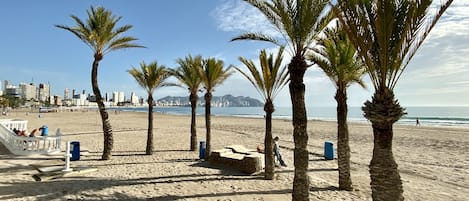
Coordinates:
187	75
386	34
337	57
150	77
100	33
268	82
212	75
299	22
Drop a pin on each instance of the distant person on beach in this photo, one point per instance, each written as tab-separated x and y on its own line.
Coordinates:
417	122
34	132
277	152
260	148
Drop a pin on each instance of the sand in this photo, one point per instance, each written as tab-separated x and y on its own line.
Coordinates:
433	161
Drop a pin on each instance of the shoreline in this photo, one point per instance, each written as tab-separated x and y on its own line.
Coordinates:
349	121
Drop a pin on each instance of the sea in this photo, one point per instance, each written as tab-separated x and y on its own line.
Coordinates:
428	116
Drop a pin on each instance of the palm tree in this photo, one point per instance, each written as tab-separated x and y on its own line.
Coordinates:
187	75
101	34
337	57
386	34
299	22
150	77
269	82
212	74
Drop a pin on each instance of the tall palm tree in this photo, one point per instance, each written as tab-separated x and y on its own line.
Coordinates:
150	77
212	75
188	76
268	82
387	34
299	22
337	57
100	33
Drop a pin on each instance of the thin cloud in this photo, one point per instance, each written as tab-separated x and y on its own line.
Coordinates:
454	22
238	16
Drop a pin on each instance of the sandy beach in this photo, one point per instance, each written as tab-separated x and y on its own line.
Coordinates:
433	161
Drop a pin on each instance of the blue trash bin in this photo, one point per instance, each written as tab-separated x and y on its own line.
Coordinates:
75	150
328	151
45	130
202	150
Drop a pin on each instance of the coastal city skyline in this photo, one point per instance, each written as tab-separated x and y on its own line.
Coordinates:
33	49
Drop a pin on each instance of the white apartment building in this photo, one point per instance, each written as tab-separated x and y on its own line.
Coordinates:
134	99
29	91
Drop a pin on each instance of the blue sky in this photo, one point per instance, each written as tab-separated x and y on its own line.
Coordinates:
32	49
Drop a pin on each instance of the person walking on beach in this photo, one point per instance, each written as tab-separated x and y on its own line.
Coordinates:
417	122
277	152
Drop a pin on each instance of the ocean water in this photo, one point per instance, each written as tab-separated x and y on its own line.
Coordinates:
428	116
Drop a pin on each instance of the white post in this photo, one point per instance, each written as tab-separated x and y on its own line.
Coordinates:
67	158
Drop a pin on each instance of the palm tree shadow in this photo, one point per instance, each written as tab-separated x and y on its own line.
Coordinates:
326	188
224	170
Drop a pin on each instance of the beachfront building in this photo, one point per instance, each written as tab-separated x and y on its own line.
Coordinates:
134	99
80	100
5	85
66	94
117	97
12	90
29	91
121	97
57	100
44	92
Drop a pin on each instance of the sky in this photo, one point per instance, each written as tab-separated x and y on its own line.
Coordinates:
32	49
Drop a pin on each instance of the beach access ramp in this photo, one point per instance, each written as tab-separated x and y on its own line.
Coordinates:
20	145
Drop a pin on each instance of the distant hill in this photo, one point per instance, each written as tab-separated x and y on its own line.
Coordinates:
217	101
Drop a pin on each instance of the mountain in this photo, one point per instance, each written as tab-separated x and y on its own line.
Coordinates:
217	101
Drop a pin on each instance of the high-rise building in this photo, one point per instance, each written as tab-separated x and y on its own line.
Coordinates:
14	91
6	85
44	92
29	91
121	97
115	98
133	99
66	94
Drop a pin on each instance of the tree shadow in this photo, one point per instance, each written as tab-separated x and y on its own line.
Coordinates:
57	189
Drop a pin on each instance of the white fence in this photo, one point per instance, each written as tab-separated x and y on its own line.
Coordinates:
20	145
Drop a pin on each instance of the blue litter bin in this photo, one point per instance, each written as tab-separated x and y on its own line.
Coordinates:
75	150
202	150
328	151
44	131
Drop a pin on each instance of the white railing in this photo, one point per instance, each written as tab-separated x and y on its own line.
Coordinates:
18	124
20	145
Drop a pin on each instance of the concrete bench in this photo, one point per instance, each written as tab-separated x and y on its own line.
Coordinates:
238	157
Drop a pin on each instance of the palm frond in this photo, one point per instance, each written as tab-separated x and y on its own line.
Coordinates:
256	36
271	78
99	31
213	73
298	22
150	76
187	72
387	34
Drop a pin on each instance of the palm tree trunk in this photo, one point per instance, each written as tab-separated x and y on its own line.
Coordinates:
193	98
268	147
208	100
343	148
297	69
107	129
149	150
383	112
